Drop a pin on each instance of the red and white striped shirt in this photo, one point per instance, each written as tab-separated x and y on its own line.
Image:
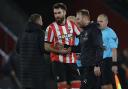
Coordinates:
64	34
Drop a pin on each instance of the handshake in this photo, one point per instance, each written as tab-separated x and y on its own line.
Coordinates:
62	48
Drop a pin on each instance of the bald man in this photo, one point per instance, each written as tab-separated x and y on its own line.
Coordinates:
110	43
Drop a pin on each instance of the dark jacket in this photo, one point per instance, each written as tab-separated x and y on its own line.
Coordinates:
90	46
31	69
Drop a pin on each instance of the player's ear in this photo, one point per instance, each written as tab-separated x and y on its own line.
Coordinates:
64	12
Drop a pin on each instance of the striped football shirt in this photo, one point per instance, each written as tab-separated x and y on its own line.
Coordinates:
64	34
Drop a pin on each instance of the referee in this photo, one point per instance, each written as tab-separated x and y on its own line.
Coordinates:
110	43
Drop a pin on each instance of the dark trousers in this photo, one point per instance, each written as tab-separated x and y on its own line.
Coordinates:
89	80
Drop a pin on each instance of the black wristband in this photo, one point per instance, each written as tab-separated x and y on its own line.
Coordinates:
114	63
97	65
99	62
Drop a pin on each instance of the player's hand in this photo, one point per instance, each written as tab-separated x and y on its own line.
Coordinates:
59	46
97	71
115	69
65	51
69	50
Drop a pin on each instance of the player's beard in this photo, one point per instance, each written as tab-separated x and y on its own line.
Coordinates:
60	20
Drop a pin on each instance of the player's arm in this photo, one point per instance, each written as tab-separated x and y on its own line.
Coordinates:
54	50
114	54
49	39
98	45
74	49
113	43
113	40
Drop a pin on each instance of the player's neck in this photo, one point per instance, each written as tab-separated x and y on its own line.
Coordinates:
63	22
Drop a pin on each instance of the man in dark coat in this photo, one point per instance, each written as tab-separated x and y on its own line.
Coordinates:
91	49
31	70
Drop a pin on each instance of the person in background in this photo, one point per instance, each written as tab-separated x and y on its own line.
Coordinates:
110	43
90	48
32	69
123	68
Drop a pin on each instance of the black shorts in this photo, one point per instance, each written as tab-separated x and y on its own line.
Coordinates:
65	71
107	76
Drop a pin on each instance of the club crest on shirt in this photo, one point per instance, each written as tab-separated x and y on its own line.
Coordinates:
64	36
70	29
85	36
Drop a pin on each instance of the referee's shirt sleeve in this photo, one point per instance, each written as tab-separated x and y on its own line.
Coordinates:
113	40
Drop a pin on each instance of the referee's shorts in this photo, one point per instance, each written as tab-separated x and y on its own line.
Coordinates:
107	76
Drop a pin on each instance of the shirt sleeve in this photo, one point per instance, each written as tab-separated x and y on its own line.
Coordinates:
97	38
76	30
113	40
98	44
49	34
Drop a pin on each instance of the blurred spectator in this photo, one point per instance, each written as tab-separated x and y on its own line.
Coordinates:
0	63
123	68
7	71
